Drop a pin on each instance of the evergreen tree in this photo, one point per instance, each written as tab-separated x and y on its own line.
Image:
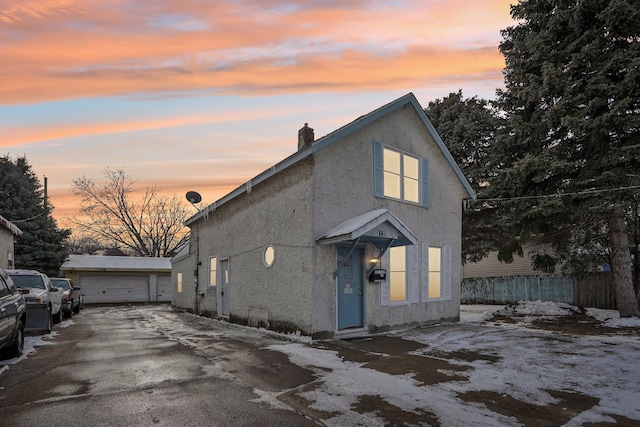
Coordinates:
468	128
42	245
572	100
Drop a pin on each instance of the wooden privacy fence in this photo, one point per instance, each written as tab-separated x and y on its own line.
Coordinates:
593	291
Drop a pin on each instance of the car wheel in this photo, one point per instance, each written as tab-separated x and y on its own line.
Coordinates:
58	316
18	342
70	312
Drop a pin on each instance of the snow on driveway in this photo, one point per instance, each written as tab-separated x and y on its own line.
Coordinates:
485	370
532	366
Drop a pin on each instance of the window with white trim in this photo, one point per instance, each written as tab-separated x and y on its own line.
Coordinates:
435	272
398	274
400	175
213	271
179	282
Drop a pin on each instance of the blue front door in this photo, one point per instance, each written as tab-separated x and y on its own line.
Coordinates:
350	289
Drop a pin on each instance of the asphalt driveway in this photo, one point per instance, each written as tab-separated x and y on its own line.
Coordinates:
149	365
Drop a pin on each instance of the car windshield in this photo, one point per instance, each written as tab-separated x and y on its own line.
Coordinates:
60	283
31	281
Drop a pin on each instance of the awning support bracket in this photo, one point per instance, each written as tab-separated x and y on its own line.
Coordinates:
346	258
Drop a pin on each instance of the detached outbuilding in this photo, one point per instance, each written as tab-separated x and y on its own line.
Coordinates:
8	232
117	279
357	232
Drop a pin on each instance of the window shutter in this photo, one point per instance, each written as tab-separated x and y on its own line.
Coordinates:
385	288
414	274
378	169
425	272
446	274
424	182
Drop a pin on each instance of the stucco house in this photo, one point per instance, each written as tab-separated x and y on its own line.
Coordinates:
8	232
118	279
357	232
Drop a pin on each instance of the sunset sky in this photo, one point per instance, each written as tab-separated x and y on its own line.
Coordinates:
203	95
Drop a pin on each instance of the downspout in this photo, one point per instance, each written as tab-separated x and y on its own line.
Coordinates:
196	272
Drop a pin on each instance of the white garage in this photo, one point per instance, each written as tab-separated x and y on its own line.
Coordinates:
118	279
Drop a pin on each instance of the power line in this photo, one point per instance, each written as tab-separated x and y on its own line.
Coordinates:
28	219
551	196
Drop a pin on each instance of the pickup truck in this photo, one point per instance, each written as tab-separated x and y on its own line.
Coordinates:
44	301
13	317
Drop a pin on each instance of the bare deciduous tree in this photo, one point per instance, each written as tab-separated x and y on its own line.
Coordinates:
80	244
149	225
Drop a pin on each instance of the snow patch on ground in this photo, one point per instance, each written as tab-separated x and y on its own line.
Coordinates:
30	344
531	310
528	365
612	319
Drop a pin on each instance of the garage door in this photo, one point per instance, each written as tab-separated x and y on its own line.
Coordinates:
114	288
164	288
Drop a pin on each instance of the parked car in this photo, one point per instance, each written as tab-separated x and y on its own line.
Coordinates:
71	296
13	317
44	301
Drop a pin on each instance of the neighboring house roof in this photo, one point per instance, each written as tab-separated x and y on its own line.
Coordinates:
182	252
337	135
115	263
378	226
11	226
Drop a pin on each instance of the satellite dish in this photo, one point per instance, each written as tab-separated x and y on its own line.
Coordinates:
194	197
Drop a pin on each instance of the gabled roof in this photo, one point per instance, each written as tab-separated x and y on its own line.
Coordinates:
336	135
182	252
10	226
379	227
115	263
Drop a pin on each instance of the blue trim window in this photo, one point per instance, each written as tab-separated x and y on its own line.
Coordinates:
399	175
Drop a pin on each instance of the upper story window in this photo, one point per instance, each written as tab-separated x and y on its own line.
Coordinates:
399	175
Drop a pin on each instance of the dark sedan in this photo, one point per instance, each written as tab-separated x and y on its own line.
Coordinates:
71	296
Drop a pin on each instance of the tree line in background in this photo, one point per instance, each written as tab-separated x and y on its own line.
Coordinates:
114	215
114	219
554	159
42	244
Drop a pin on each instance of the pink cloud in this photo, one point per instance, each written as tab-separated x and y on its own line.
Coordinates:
72	49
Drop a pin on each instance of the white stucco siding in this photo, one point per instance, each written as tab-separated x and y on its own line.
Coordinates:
186	298
343	188
276	212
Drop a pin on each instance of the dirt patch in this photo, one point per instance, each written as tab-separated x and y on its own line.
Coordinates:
555	414
363	350
304	406
465	356
573	324
620	421
426	370
393	415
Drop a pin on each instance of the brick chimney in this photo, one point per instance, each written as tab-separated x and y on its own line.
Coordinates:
305	137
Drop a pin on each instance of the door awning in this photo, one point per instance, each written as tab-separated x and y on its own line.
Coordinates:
380	227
